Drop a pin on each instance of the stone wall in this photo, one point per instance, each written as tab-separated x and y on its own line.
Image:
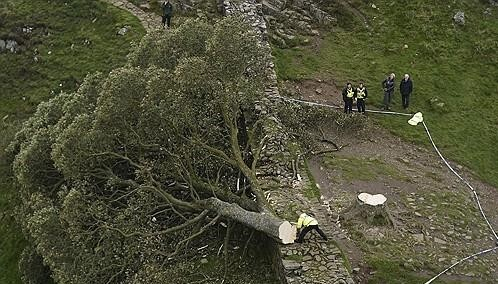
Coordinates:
315	261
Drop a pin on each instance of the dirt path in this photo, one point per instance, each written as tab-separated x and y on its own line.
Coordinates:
438	219
150	21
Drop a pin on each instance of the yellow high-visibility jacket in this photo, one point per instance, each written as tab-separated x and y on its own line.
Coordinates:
305	221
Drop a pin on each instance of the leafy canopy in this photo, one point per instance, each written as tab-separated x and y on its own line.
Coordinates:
107	173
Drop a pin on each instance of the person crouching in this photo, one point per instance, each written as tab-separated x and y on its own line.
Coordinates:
308	223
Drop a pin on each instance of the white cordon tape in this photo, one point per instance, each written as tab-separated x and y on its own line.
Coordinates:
460	261
336	107
442	158
464	181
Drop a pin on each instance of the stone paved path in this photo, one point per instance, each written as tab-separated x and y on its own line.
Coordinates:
314	261
150	21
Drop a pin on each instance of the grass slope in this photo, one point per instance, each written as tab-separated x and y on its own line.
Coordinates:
458	65
91	26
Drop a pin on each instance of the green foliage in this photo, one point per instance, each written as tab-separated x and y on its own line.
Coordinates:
98	169
24	82
457	64
303	120
31	264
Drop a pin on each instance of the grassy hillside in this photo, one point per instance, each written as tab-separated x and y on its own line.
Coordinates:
457	65
69	39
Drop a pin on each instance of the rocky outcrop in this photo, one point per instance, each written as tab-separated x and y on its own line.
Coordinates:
9	45
459	18
290	20
280	21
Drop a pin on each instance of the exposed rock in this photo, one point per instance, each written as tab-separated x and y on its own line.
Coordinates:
418	237
291	265
145	6
459	18
9	45
122	31
439	241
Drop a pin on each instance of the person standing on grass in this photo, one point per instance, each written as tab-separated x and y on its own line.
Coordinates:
388	86
361	96
167	13
348	96
308	223
406	88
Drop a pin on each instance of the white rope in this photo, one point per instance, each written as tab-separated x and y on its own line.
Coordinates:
462	179
337	107
460	261
442	158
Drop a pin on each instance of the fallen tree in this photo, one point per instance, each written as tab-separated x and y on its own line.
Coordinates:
135	165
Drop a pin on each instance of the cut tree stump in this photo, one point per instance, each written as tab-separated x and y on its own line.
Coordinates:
369	208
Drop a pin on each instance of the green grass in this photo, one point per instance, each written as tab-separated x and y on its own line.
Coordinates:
392	272
24	83
457	65
365	169
311	191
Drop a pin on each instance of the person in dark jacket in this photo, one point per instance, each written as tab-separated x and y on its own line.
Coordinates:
348	96
406	88
361	95
167	13
388	86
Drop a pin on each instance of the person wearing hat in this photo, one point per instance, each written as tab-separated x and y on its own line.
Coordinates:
406	88
388	86
167	13
348	97
361	95
308	223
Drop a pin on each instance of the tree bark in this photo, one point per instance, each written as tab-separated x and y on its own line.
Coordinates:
279	229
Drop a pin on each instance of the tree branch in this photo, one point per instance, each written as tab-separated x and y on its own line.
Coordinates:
198	218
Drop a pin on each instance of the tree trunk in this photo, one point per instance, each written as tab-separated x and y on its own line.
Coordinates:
369	208
279	229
